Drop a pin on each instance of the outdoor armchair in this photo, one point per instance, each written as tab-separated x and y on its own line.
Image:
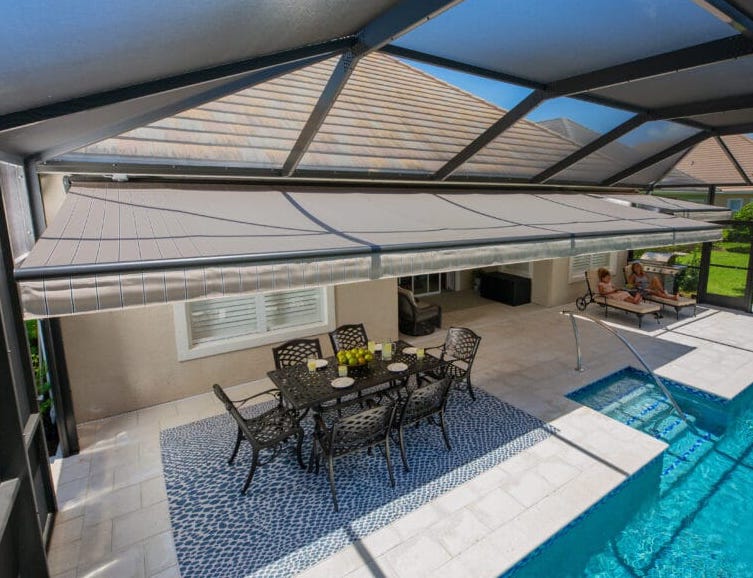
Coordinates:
416	317
296	351
348	337
266	431
363	430
424	402
459	351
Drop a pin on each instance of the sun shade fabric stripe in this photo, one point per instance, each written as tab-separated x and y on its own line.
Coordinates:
119	245
677	207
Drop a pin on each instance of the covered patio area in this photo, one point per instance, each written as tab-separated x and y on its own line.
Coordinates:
114	515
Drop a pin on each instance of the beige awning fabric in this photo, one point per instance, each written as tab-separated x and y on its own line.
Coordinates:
118	245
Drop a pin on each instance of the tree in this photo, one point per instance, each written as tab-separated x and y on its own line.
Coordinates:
741	232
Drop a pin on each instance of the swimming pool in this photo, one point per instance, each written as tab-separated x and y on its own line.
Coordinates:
687	513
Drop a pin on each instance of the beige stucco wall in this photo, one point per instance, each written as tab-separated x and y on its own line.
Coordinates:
125	360
551	285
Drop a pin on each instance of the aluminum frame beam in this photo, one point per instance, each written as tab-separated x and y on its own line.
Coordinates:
655	158
724	104
425	57
731	13
393	23
232	86
600	142
80	104
513	115
668	62
738	167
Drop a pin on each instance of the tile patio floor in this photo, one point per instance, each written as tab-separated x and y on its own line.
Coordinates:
114	522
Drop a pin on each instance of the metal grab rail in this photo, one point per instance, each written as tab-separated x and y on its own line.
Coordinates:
632	349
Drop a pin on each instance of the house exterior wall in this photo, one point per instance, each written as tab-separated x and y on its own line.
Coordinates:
120	361
551	283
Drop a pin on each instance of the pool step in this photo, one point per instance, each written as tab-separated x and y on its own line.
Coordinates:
685	451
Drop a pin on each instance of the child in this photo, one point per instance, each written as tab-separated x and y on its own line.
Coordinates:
608	290
647	286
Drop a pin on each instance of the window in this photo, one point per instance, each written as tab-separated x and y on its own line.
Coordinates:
420	285
582	263
734	205
214	326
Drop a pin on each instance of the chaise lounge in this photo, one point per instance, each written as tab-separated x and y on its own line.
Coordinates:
678	303
593	296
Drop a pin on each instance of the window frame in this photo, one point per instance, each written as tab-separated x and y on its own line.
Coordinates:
186	351
735	200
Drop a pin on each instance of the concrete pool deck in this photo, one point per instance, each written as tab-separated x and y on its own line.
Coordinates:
114	520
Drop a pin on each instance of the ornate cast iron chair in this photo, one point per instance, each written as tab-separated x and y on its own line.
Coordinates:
363	430
296	351
348	337
267	431
459	349
416	317
424	402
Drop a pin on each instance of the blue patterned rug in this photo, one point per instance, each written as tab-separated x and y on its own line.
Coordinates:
286	522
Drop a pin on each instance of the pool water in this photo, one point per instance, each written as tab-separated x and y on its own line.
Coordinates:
688	513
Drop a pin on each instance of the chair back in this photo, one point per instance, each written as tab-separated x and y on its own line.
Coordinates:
460	346
592	282
361	430
405	309
234	413
425	401
348	337
296	351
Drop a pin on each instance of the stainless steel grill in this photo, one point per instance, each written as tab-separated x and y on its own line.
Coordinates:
664	265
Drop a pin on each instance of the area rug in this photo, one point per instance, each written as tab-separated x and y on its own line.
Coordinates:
286	522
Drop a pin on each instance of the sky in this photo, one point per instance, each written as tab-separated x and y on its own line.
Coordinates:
611	30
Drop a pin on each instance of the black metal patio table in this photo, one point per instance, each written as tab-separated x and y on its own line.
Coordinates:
304	389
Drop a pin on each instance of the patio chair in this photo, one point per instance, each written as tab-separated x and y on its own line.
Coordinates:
296	351
348	337
363	430
459	350
678	303
424	402
592	296
416	317
267	431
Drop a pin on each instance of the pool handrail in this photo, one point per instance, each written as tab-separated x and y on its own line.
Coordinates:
632	349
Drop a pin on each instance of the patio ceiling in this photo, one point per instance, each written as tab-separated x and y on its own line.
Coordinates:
677	68
117	245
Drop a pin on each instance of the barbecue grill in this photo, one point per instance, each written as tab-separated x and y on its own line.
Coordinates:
664	266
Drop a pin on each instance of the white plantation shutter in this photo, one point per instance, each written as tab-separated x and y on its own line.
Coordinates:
220	319
231	324
582	263
293	308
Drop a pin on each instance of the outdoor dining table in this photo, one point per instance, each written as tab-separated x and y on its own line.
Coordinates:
304	389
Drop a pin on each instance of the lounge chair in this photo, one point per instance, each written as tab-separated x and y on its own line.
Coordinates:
678	303
416	317
592	296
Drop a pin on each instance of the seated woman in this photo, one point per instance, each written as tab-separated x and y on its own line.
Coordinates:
647	285
608	290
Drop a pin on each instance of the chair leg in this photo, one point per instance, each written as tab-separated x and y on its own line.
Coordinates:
470	388
254	463
332	482
402	449
299	448
444	430
389	462
314	457
238	439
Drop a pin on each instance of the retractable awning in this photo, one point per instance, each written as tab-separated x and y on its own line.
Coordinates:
677	207
117	245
